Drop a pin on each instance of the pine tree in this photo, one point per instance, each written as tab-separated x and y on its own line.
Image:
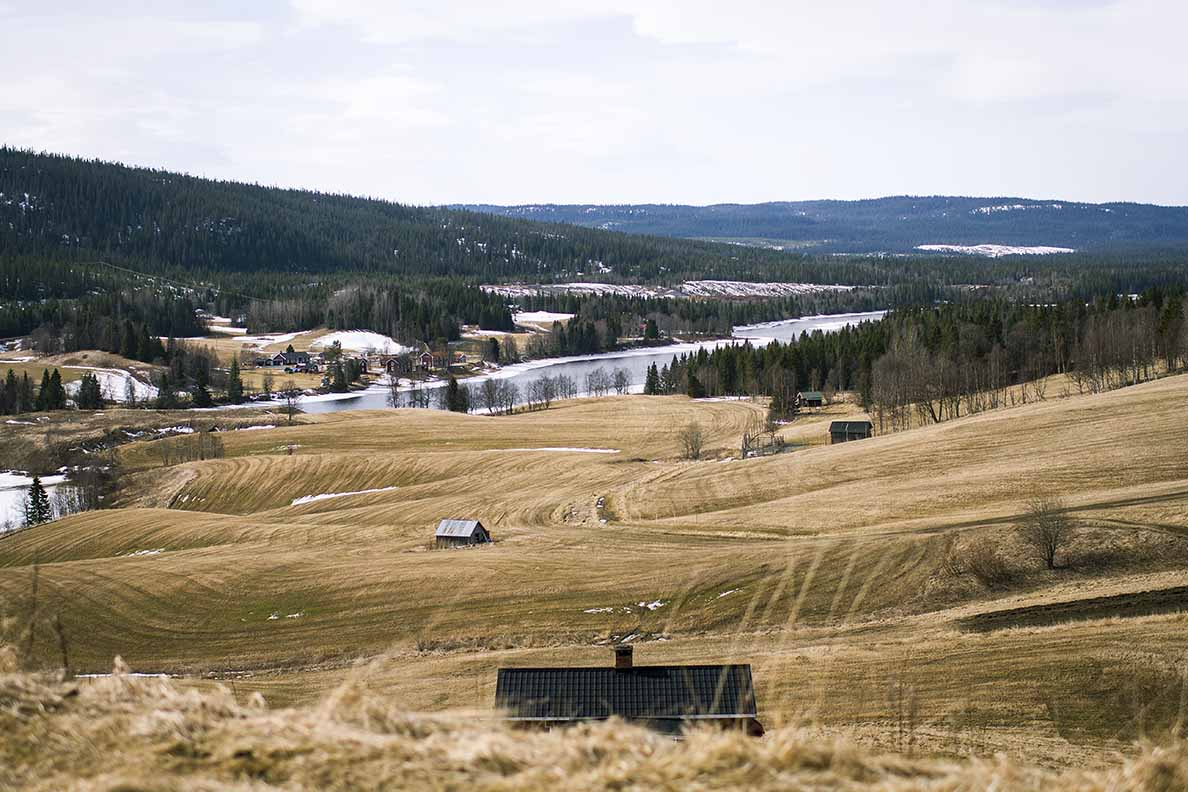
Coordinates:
37	505
234	383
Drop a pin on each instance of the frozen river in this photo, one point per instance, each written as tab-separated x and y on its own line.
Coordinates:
635	361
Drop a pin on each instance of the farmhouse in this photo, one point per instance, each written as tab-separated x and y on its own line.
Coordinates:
812	399
843	431
460	533
668	699
287	359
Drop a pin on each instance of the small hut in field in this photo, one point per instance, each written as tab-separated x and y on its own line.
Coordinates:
461	533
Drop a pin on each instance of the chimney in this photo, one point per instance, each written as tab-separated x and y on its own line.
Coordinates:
623	657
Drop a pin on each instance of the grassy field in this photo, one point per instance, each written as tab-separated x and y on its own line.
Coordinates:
827	568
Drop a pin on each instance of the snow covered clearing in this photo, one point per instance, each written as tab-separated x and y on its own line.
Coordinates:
113	384
260	341
328	495
722	288
566	450
995	251
361	340
693	288
540	317
227	329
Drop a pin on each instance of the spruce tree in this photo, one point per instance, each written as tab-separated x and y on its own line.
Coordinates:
200	393
37	505
57	392
234	383
8	398
652	381
695	388
43	393
25	400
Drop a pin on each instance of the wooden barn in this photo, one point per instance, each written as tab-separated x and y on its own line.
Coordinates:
844	431
812	399
667	699
461	533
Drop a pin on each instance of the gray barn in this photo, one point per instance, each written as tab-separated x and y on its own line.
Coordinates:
460	533
842	431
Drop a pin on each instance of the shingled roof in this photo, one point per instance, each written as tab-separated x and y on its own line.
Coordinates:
664	696
457	529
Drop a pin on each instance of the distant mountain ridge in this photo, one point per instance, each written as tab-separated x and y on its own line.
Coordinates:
898	224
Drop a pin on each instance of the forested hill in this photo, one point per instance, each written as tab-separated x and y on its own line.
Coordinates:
898	224
154	221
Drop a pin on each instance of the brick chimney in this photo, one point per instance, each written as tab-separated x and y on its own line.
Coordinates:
623	657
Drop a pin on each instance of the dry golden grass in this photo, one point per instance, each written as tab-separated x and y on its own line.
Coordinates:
124	733
824	567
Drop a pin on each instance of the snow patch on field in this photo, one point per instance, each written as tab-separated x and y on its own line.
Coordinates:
154	551
227	329
995	251
328	495
360	340
540	317
653	605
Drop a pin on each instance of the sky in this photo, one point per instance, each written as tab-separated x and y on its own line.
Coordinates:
619	101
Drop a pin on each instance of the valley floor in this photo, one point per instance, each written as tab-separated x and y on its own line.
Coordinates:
830	569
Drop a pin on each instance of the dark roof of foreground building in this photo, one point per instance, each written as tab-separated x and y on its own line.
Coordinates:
850	426
457	529
642	692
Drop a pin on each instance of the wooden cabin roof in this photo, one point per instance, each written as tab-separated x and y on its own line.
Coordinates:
642	692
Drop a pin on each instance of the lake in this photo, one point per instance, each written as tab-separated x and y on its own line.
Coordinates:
635	362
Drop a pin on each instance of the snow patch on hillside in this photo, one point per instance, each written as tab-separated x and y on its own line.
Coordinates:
113	384
328	495
995	251
540	317
362	340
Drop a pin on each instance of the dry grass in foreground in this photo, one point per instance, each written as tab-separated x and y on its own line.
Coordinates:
123	733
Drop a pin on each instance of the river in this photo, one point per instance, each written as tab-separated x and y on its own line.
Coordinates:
635	362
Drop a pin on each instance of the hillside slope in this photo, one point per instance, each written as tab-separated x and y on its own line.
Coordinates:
897	224
831	569
155	221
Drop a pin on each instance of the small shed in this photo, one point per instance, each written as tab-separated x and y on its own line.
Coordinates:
461	533
667	699
844	431
812	399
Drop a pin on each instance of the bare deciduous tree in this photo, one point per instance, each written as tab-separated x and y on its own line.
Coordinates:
691	440
292	398
1046	528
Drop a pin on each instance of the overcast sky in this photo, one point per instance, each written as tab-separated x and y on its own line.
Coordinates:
681	101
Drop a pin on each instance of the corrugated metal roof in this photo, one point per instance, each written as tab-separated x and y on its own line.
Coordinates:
457	529
850	426
817	395
720	691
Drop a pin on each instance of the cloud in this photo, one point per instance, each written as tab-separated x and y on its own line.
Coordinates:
695	101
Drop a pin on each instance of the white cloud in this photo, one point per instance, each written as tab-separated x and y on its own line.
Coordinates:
697	101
